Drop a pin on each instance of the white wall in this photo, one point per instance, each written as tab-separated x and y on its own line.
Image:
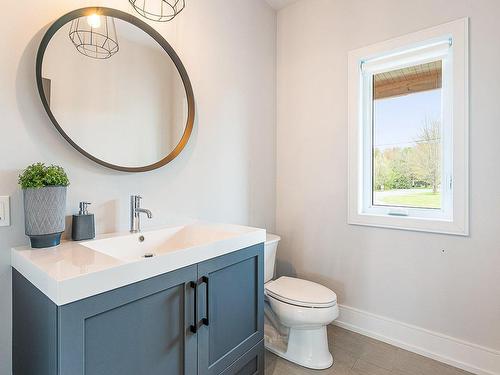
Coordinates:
446	284
227	171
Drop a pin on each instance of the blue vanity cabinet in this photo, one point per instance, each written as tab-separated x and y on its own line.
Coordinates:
232	323
202	319
139	329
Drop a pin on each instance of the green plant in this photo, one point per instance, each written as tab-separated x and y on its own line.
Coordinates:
39	175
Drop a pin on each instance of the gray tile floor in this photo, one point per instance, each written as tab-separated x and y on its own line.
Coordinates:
355	354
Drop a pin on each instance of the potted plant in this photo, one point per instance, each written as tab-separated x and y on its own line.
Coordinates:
44	190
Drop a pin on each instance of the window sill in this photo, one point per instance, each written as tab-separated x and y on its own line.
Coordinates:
409	223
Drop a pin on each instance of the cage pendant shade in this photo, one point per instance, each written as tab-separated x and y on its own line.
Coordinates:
94	36
158	10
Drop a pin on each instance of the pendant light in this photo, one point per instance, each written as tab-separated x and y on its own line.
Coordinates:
158	10
94	36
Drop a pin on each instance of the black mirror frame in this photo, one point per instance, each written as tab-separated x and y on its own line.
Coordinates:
60	22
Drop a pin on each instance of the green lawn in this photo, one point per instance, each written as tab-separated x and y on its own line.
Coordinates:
423	199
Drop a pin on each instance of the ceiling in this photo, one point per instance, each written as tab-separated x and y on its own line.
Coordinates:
279	4
408	80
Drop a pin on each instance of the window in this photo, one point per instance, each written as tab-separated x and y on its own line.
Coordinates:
408	125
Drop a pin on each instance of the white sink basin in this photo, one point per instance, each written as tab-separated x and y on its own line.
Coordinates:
149	244
77	270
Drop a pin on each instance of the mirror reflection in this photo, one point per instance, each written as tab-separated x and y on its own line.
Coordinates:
114	91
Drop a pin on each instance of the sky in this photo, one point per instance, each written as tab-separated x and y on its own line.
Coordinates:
398	120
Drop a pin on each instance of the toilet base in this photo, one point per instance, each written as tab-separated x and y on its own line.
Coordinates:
305	347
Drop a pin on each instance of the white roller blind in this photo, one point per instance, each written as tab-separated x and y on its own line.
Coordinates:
408	57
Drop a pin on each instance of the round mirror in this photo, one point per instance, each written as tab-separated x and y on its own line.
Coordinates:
115	89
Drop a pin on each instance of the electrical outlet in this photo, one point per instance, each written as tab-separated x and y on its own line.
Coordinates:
4	211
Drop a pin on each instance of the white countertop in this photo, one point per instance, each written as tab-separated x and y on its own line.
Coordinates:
72	271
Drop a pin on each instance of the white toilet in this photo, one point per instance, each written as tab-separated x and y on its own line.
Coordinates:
296	315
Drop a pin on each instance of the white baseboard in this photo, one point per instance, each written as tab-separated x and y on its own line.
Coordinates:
465	355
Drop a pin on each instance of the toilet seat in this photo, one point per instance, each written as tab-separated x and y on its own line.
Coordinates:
301	293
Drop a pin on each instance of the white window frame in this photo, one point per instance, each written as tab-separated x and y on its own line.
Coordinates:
449	43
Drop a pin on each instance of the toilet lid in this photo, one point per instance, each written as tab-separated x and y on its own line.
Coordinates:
301	292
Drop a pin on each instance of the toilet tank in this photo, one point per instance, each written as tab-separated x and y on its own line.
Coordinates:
270	247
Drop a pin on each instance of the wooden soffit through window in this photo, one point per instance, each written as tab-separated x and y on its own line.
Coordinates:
408	80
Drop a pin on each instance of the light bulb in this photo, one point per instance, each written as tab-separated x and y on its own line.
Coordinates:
94	21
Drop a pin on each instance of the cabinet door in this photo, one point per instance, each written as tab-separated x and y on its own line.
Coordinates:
142	328
231	315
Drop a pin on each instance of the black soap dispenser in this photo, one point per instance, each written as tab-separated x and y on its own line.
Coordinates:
83	224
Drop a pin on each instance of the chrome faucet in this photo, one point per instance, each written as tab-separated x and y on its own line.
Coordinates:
135	213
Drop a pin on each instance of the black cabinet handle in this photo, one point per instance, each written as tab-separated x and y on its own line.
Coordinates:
205	321
194	327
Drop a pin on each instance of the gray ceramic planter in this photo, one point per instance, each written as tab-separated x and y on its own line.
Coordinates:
44	215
